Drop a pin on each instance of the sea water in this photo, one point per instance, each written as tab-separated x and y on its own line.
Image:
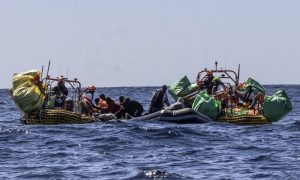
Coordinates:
149	150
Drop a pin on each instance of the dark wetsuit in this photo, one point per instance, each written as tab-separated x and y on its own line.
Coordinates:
208	84
61	92
132	107
158	100
112	106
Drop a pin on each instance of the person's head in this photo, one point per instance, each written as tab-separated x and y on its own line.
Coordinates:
61	80
108	100
121	113
241	85
126	102
91	88
216	80
164	88
97	101
181	100
102	96
209	73
121	99
260	97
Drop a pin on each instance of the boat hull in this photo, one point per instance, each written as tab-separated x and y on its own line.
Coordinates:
182	116
54	116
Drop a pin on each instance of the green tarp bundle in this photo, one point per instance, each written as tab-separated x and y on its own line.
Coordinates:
207	105
25	93
277	106
256	85
181	88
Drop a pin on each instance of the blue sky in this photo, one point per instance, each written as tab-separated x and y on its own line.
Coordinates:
153	42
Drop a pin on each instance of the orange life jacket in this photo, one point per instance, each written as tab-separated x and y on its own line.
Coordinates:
103	104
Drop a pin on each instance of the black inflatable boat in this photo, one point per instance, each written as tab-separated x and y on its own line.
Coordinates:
182	116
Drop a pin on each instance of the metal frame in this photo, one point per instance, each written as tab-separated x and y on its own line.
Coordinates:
225	74
75	85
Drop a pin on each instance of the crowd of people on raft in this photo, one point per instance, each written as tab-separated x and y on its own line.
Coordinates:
232	96
107	108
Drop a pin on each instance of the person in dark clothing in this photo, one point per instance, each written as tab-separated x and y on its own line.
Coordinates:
159	99
122	114
61	92
132	107
121	100
208	84
112	106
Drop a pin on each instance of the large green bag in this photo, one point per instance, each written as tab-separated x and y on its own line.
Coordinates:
207	105
182	88
277	106
256	86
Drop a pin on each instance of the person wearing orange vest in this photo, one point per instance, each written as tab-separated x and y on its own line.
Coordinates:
101	104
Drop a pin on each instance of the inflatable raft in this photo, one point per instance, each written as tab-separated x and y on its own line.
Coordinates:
244	119
182	116
219	95
55	116
30	98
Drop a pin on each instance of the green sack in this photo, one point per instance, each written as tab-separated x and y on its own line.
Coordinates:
182	88
277	106
51	103
257	87
207	105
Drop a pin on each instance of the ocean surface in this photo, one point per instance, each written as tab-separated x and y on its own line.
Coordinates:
149	150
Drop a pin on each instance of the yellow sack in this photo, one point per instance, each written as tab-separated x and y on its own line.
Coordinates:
25	93
21	78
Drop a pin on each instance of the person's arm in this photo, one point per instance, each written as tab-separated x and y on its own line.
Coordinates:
55	90
253	103
166	99
66	91
153	99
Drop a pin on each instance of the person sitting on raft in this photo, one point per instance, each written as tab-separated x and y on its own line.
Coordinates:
102	104
249	97
218	86
112	106
159	99
61	92
122	114
132	107
121	100
87	98
179	104
207	83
